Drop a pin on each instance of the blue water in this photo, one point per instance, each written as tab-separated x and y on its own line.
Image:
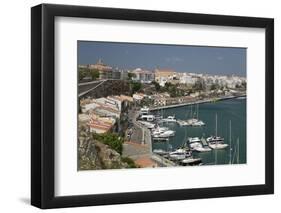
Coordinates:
233	110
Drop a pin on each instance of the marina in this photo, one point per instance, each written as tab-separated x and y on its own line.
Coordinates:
209	144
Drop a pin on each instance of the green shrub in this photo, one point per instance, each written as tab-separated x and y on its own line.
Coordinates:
130	162
113	140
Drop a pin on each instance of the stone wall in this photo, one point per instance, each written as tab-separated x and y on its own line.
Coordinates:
106	88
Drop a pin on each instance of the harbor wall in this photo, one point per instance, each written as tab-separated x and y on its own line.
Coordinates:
195	102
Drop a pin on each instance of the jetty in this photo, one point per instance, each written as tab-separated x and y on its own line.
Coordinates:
204	142
162	161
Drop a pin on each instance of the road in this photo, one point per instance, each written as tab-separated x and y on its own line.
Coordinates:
137	135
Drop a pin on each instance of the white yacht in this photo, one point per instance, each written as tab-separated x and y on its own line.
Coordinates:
191	121
216	142
159	130
183	123
198	123
218	145
169	119
191	160
147	117
144	110
203	149
180	154
212	139
195	122
165	134
196	145
147	124
162	132
194	140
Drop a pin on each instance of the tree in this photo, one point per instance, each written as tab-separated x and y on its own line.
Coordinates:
156	85
83	72
199	85
131	76
136	86
215	86
173	91
94	73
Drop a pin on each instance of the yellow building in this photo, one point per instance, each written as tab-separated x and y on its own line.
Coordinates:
105	72
164	75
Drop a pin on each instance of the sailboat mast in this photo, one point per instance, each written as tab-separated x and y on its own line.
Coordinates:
216	157
216	124
216	140
237	150
197	111
230	150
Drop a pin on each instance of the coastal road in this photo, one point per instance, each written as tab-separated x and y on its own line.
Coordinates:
137	135
139	148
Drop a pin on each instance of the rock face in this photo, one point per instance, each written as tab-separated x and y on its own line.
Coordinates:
93	155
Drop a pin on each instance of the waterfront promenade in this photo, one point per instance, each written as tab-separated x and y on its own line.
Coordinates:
140	149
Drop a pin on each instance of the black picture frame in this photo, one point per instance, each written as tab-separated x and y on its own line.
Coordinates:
43	102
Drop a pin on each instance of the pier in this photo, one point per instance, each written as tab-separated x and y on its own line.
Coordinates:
162	161
204	142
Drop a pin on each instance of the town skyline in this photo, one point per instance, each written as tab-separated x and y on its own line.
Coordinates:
192	59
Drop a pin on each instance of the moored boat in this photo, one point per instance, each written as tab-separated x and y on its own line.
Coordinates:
147	117
162	132
195	144
191	161
180	154
147	124
218	145
198	123
212	139
216	142
160	151
169	119
144	111
159	139
183	123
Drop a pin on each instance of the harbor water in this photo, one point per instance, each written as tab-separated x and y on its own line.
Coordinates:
231	110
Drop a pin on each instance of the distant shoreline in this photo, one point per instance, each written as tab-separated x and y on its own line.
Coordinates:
196	102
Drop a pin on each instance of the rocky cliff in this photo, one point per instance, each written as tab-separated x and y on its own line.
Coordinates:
93	154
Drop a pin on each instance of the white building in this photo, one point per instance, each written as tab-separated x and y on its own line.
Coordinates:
187	79
143	76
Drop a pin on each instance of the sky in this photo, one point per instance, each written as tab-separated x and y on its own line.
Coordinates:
181	58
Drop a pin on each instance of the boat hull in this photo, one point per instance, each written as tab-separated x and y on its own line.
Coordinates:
218	146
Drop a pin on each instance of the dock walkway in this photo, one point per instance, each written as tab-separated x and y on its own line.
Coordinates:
164	162
204	142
